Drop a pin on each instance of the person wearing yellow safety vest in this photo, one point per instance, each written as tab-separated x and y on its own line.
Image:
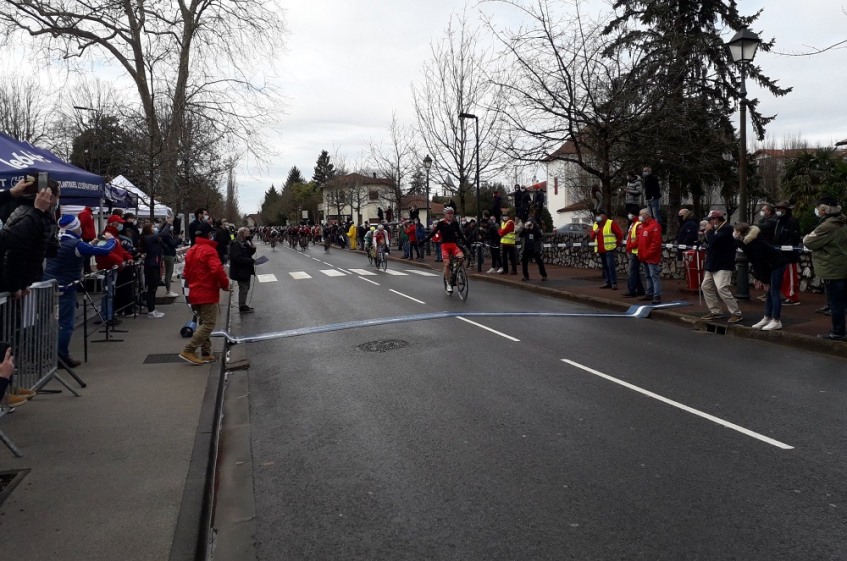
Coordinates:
507	244
634	286
608	236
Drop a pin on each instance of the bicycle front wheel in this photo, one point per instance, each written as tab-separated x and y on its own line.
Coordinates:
462	283
384	262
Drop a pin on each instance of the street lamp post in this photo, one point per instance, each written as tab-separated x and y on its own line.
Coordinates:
478	215
427	163
743	47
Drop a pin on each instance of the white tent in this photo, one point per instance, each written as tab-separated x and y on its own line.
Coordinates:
143	210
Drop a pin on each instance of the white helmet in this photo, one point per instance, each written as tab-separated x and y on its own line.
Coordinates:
381	227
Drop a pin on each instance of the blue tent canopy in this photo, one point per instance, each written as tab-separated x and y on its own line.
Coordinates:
79	187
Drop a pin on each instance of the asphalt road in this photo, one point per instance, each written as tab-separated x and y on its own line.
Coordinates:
467	444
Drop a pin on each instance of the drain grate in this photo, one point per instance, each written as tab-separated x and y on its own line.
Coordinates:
382	346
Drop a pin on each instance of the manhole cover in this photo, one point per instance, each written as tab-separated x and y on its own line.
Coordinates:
382	346
9	480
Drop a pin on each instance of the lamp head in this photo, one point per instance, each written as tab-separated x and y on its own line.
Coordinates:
743	45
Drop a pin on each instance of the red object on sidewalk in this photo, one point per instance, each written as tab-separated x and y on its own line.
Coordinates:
693	260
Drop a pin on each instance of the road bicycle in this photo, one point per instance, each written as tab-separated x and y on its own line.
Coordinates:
273	244
304	243
381	261
326	244
458	277
371	255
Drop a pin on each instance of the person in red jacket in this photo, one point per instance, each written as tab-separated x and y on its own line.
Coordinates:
206	278
650	254
86	223
409	228
108	263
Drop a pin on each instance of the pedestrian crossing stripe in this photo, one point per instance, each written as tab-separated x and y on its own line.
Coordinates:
422	273
363	272
332	273
396	273
300	275
266	278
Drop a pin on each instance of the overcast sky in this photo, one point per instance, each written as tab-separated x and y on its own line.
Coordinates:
349	64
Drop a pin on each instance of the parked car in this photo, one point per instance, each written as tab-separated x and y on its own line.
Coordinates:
572	228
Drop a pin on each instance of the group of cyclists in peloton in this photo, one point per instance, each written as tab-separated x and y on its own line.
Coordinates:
377	242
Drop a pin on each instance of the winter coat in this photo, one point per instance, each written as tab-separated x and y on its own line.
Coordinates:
24	239
828	243
410	231
420	231
223	240
787	232
204	272
633	192
497	207
86	222
66	267
689	232
650	242
652	190
720	254
767	230
241	262
763	257
116	257
532	238
153	251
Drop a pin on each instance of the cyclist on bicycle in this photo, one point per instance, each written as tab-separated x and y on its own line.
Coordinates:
369	239
380	237
451	232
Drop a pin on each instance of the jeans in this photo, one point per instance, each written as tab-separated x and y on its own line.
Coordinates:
633	281
609	262
407	250
655	205
654	280
107	301
438	251
773	303
67	318
836	297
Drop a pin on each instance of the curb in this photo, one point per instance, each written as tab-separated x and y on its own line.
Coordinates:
784	338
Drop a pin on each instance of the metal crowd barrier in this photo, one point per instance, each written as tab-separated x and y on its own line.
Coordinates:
30	326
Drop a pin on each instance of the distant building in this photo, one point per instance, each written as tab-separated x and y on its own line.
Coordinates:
253	220
567	198
355	197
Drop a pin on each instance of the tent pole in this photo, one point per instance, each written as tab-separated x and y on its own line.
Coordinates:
100	216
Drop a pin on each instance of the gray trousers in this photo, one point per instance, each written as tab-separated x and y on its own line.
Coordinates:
243	289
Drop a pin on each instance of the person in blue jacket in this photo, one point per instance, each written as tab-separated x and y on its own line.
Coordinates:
66	268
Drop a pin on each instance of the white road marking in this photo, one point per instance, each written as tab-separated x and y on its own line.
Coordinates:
423	273
405	296
369	280
299	275
363	272
344	270
678	405
396	273
332	273
266	278
327	264
488	329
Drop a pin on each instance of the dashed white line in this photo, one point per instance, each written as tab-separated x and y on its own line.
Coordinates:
332	273
509	337
678	405
363	272
423	273
344	270
369	280
405	296
396	273
327	264
300	275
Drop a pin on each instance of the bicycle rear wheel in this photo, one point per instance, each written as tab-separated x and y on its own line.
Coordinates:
462	283
384	262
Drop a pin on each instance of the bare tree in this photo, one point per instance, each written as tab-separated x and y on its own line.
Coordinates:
456	80
180	55
26	109
357	198
395	158
560	88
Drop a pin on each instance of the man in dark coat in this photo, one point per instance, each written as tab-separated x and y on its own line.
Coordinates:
787	233
242	266
689	230
223	239
532	241
497	208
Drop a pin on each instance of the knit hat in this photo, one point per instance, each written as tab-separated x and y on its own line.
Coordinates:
69	222
828	201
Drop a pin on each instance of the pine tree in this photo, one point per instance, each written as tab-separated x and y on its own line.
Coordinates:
294	178
694	127
324	170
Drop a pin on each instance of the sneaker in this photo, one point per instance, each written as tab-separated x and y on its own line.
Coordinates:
614	287
762	323
607	285
190	357
735	319
114	322
15	400
656	301
491	270
525	279
790	302
449	289
773	325
155	314
823	310
628	294
500	271
208	358
763	297
23	392
646	297
70	361
171	294
245	309
832	337
710	316
543	278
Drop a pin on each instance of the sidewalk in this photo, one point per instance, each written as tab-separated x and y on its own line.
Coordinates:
109	469
801	324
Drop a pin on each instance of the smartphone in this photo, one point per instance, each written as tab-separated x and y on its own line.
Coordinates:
42	181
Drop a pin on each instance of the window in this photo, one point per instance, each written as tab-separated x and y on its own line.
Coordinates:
373	195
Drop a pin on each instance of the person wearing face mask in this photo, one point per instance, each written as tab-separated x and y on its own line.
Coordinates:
633	195
242	266
608	236
768	266
689	231
634	286
767	223
199	218
828	242
719	264
650	254
526	203
787	233
532	247
131	231
653	193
